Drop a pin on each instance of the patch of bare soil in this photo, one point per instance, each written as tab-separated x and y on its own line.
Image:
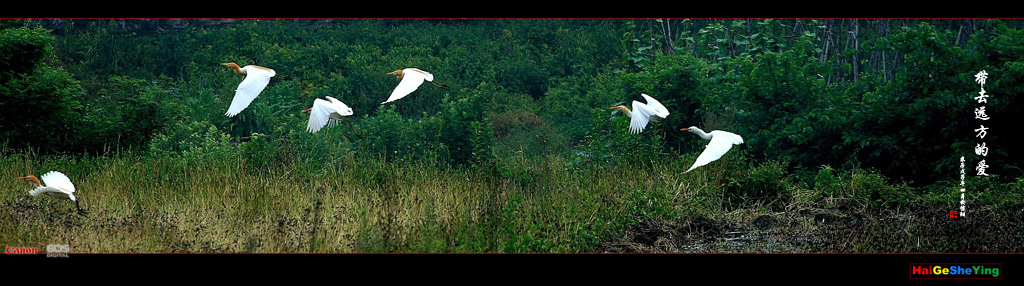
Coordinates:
655	235
916	230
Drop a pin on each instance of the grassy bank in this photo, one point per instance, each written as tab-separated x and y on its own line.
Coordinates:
359	204
182	205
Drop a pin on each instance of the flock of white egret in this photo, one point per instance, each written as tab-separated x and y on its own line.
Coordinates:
327	113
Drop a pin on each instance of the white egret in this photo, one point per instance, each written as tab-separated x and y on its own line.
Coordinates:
411	78
326	113
256	79
721	142
643	113
57	185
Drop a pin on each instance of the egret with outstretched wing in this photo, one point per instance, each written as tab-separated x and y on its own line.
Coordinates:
411	78
57	185
256	79
326	113
721	142
643	113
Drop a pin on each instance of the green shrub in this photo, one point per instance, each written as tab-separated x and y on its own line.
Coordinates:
524	131
767	184
21	49
859	189
192	139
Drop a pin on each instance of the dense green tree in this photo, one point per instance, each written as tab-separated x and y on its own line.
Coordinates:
889	95
45	108
40	105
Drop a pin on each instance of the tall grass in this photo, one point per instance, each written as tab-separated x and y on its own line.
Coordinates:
354	204
362	203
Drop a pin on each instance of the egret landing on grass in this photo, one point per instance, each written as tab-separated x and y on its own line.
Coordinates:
411	78
643	113
57	185
721	142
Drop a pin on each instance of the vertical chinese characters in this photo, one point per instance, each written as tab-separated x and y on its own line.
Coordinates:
980	149
979	114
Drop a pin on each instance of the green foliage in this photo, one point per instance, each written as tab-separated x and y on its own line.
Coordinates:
781	106
980	192
652	204
390	136
570	104
929	91
128	111
767	185
42	110
10	23
998	50
21	49
46	108
610	143
192	139
680	83
858	189
39	104
520	131
464	130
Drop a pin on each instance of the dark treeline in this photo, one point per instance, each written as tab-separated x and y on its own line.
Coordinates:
890	95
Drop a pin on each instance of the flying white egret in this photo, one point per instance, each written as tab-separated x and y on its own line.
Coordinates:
326	113
721	142
256	79
642	113
57	185
411	78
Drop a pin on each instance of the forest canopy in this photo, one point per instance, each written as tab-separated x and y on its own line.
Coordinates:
886	95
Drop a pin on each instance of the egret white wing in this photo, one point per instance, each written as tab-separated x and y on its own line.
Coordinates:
426	75
319	115
411	80
656	106
641	116
58	180
332	122
256	79
38	191
721	142
340	107
53	192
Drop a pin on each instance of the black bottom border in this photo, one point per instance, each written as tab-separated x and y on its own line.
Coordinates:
597	266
